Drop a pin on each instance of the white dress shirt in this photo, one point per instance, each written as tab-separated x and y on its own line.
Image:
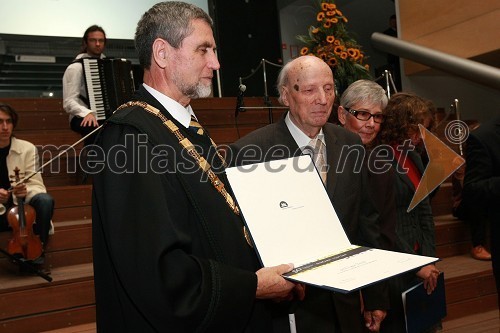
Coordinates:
73	82
179	112
300	137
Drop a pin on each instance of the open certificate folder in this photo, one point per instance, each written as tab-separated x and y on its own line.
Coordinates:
291	220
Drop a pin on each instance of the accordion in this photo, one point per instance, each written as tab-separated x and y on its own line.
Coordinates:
109	83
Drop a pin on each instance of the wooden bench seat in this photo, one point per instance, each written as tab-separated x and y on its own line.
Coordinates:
31	304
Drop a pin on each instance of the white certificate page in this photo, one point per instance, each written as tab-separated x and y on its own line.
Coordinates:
290	218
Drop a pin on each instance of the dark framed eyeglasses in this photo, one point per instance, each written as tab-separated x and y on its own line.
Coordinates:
365	115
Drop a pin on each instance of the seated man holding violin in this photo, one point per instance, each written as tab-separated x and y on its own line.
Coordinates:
22	190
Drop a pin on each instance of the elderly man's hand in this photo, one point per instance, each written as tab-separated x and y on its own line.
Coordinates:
271	285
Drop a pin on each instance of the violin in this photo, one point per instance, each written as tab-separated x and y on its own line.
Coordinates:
21	218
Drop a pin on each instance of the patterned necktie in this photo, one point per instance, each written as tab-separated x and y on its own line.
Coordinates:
319	157
195	126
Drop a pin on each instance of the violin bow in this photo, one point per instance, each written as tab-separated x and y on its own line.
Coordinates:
25	179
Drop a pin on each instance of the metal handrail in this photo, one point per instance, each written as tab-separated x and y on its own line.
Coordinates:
465	68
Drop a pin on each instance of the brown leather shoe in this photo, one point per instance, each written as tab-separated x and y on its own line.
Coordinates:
480	253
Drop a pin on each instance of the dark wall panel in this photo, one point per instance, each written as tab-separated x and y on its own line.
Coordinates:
247	31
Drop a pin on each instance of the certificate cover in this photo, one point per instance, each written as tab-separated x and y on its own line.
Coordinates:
422	311
291	220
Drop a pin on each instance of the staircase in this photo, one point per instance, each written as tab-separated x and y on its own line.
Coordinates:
30	304
470	285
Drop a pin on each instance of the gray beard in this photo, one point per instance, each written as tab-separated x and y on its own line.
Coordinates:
192	91
197	91
202	91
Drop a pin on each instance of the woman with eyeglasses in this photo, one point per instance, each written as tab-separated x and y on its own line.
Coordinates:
360	109
400	134
360	112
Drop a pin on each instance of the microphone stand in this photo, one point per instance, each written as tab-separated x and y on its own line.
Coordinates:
457	113
239	98
267	101
388	82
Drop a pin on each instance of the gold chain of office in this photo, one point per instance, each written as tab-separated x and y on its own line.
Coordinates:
186	144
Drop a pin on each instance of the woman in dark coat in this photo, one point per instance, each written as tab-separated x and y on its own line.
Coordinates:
414	228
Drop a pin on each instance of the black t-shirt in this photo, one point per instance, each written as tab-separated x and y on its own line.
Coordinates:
5	184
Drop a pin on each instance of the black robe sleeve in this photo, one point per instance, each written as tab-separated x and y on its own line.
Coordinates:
154	270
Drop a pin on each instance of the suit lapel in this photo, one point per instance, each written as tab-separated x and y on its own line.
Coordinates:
333	151
283	136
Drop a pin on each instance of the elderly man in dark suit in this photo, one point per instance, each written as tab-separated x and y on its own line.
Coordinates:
306	86
482	182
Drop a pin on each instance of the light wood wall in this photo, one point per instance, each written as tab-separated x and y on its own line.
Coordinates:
464	28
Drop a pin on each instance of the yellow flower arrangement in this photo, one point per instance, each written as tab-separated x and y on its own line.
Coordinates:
329	40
